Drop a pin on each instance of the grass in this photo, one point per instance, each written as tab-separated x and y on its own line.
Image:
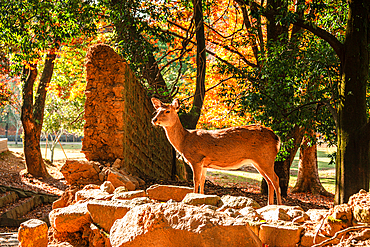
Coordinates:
252	177
67	146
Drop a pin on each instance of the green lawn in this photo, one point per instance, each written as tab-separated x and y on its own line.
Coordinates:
326	172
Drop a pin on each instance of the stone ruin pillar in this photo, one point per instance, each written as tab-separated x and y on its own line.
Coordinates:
118	116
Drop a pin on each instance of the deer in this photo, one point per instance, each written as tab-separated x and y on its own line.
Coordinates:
228	148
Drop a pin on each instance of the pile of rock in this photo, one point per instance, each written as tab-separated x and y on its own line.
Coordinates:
114	214
164	215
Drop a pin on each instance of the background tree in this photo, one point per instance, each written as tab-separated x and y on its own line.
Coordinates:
38	28
62	117
353	126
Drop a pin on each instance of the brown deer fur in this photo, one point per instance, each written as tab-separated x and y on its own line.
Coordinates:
221	149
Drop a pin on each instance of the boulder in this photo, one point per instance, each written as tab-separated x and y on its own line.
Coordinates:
196	199
167	192
361	198
280	236
360	206
104	213
117	164
339	218
250	213
361	213
71	218
108	187
238	202
67	198
129	195
177	224
118	179
80	172
92	194
317	214
97	238
120	189
307	240
33	233
276	212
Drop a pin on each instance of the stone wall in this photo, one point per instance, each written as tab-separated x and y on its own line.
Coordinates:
118	116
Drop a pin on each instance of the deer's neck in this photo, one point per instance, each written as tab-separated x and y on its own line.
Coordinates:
176	135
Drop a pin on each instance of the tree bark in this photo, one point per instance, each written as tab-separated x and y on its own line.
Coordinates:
308	175
190	119
353	161
33	113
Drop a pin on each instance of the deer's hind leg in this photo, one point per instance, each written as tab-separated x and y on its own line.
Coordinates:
203	180
272	182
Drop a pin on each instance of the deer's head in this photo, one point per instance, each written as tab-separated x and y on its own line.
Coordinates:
166	113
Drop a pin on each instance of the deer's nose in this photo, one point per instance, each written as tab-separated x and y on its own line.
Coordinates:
154	120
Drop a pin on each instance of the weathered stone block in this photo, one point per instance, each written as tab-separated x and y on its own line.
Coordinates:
166	192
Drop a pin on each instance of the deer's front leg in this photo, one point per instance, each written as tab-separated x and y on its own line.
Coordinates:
197	177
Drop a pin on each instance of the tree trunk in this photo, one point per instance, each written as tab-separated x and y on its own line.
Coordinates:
33	114
282	168
190	119
353	161
308	175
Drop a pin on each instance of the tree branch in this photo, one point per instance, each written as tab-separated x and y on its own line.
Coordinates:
337	46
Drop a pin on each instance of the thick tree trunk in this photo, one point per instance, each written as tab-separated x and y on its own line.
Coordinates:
308	175
31	142
33	114
353	161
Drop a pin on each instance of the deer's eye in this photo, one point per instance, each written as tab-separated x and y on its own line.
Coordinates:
167	111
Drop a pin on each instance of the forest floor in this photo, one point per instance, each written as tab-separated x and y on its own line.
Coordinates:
13	173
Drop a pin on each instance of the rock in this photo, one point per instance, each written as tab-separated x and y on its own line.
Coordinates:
71	218
80	172
92	194
361	213
340	217
136	201
297	215
68	197
199	199
91	187
120	189
275	212
177	224
118	179
33	233
238	202
141	182
60	203
317	214
280	236
250	213
129	195
97	238
361	198
308	237
166	192
360	206
108	187
117	164
104	213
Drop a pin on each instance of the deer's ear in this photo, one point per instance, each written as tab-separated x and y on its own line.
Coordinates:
176	104
156	103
